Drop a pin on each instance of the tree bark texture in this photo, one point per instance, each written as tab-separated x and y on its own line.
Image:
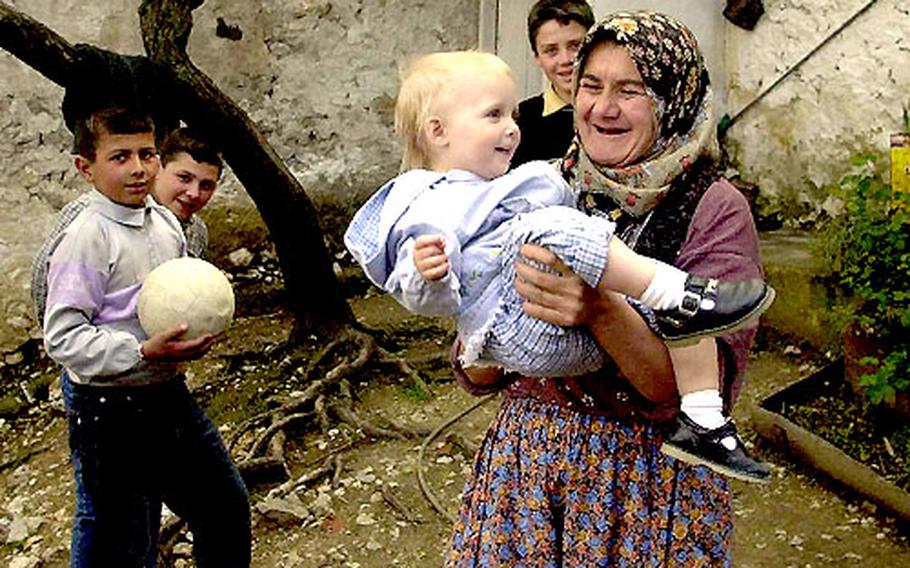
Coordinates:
36	45
312	293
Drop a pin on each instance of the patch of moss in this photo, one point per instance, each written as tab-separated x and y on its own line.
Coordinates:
11	405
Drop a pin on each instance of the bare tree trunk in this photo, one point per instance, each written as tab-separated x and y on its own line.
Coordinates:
311	289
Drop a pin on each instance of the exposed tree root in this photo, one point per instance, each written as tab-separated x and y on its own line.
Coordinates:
271	433
328	399
391	499
310	476
406	368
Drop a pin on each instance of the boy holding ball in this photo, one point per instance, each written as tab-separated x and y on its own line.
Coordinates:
136	435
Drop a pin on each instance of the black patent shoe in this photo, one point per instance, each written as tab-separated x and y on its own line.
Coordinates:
711	307
720	449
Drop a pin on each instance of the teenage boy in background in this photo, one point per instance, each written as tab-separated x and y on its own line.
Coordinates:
556	29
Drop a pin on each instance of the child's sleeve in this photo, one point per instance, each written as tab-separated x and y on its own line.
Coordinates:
77	282
425	297
39	264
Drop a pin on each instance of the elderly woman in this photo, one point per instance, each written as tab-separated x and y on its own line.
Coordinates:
570	471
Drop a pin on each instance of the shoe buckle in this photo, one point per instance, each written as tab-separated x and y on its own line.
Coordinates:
689	304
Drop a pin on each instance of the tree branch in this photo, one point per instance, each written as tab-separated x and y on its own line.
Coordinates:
36	45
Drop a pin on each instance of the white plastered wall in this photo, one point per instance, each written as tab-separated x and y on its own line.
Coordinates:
845	99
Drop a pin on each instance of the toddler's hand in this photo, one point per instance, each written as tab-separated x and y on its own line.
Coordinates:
430	257
168	346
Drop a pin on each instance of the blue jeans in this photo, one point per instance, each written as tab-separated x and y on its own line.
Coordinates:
84	512
134	448
83	532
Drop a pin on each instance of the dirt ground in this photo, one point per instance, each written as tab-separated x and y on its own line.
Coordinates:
373	513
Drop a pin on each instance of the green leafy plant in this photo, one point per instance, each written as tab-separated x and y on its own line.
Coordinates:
889	378
867	250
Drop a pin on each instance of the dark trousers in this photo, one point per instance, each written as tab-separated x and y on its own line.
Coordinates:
135	448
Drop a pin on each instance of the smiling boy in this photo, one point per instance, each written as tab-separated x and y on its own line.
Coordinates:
556	29
189	174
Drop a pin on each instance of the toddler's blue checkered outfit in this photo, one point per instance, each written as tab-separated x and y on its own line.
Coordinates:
484	223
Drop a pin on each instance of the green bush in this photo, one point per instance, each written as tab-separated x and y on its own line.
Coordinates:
867	251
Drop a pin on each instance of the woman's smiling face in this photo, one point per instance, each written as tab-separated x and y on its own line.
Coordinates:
614	113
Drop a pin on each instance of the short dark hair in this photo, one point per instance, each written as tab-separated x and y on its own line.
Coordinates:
186	140
563	11
112	120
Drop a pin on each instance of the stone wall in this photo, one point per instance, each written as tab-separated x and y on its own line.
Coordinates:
319	78
797	141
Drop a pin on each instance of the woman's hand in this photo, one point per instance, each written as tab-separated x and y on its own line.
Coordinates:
168	347
562	299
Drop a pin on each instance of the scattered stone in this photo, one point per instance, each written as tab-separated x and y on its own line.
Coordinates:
241	258
14	358
366	475
365	518
18	530
56	556
27	561
287	511
322	505
291	559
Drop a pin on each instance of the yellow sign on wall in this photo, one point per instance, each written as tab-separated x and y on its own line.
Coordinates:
900	162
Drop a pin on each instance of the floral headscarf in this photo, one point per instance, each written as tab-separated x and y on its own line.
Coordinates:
667	57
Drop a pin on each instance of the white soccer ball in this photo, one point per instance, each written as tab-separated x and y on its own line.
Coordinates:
187	290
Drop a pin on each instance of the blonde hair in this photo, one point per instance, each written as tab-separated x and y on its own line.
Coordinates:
423	87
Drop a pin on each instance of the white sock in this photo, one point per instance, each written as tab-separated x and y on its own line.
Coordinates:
666	289
705	408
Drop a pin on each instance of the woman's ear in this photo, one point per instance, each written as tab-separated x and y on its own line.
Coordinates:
436	132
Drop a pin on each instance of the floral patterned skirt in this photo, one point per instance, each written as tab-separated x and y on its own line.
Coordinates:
554	487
